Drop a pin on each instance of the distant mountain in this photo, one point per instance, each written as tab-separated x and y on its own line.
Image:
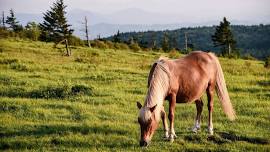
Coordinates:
127	20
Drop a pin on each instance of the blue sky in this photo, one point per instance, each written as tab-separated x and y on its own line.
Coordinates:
247	10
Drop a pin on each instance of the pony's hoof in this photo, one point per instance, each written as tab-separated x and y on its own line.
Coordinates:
195	130
171	140
166	138
210	131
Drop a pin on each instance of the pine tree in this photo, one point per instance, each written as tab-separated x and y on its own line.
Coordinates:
165	43
223	37
13	23
55	27
116	38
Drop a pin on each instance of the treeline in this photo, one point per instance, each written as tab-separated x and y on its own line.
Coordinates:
55	28
251	41
226	40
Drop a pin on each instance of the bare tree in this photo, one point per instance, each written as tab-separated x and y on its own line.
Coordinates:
186	42
85	23
3	20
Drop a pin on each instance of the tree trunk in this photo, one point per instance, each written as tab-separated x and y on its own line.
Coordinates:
229	49
86	32
67	48
3	19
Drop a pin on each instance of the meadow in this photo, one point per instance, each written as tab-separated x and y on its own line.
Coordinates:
87	102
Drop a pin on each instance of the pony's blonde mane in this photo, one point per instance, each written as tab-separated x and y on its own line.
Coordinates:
159	81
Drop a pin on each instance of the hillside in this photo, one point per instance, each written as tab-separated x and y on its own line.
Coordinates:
254	40
87	102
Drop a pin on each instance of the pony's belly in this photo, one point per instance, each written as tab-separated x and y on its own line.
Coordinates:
187	97
182	99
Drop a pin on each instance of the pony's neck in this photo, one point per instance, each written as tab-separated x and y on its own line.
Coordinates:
155	97
158	88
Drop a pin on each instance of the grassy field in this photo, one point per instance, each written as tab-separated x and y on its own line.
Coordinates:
87	102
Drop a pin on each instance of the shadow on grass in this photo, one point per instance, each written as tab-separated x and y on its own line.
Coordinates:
60	131
264	83
224	137
63	130
234	137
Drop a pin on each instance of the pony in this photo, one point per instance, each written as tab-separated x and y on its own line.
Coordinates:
182	80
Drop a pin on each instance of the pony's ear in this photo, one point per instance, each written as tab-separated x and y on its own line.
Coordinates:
139	105
153	108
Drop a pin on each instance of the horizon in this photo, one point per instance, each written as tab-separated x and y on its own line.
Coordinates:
246	11
106	17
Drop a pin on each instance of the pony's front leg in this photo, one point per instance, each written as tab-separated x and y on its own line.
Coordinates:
210	96
164	121
199	107
171	116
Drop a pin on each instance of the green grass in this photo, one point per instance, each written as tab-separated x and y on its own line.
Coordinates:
87	102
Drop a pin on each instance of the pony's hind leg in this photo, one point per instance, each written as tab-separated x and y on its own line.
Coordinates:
210	96
164	122
199	107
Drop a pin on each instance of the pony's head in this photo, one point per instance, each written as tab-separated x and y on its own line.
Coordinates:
148	123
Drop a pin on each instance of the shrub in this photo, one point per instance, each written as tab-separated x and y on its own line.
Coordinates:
75	41
267	62
110	44
18	66
174	54
99	44
121	46
248	57
80	60
5	33
135	47
8	61
50	92
32	31
81	89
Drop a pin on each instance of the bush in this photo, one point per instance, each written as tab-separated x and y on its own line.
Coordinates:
267	62
81	89
32	31
8	61
121	46
75	41
50	92
248	57
135	47
110	44
18	67
5	33
80	60
99	44
174	54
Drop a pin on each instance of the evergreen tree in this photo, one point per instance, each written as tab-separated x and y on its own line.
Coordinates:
223	38
116	37
165	43
13	23
55	27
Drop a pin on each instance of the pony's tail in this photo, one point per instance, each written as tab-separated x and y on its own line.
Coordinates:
222	91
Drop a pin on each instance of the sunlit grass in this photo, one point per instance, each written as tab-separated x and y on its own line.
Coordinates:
87	102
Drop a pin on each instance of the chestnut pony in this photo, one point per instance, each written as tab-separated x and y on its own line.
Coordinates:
182	81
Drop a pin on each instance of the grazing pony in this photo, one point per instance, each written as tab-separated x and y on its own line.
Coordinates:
182	81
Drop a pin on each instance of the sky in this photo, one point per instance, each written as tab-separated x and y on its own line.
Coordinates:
247	10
